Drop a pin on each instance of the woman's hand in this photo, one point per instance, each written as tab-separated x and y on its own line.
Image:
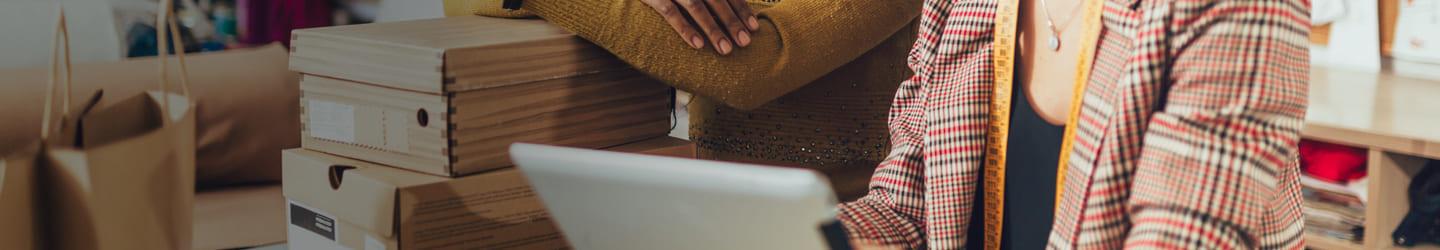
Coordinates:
735	21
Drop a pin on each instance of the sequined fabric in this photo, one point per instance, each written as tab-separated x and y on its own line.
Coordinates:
811	90
836	124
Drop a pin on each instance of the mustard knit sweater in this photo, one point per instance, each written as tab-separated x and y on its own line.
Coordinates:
798	42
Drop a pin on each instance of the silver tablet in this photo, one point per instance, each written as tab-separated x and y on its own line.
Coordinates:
609	200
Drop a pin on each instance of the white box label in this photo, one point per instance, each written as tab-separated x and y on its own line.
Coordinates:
331	121
397	137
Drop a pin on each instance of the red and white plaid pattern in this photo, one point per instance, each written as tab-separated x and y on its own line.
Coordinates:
1187	134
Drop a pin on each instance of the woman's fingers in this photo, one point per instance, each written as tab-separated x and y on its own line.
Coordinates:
734	26
677	21
727	23
746	14
701	15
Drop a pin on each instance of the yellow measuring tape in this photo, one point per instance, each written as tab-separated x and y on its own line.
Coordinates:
1004	58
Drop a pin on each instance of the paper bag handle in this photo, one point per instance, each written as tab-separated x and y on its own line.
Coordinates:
62	43
165	20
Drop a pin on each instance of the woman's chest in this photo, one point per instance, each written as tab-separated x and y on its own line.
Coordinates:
959	48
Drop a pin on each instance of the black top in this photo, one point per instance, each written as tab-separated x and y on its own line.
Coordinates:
1033	153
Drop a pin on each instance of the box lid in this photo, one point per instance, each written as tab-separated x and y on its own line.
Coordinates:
448	54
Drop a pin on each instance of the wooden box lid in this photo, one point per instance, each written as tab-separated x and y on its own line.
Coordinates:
447	55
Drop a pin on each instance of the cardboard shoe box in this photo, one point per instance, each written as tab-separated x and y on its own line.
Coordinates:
340	202
417	211
469	132
447	96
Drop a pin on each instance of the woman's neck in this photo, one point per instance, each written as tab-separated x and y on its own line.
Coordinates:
1048	52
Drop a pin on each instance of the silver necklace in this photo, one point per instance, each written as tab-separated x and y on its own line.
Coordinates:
1054	41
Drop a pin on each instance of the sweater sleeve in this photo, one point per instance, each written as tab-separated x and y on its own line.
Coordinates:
798	41
490	8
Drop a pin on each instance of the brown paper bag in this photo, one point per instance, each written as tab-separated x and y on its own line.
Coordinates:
119	176
17	201
247	107
130	185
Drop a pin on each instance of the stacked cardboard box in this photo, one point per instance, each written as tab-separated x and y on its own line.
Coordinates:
446	96
339	203
406	127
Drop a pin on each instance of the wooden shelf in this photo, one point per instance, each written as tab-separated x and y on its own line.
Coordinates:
1390	175
1366	139
1326	243
1397	119
1374	110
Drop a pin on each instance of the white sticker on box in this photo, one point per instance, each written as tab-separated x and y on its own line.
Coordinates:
372	244
331	121
397	130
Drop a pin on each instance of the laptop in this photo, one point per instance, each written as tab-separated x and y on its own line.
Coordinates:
609	200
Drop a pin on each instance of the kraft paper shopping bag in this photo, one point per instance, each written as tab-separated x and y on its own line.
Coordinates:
119	176
17	200
130	184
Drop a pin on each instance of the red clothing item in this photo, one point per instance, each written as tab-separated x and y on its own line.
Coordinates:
1187	135
1332	162
268	21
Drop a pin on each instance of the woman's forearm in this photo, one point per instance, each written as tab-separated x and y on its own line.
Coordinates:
798	41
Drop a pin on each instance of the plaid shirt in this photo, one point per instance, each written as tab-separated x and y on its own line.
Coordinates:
1187	134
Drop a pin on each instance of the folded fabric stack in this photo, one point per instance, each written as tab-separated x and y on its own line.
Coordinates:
1333	210
405	129
1333	184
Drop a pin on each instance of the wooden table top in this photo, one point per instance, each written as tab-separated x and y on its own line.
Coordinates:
1386	111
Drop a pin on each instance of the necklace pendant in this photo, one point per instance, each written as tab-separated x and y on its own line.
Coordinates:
1054	42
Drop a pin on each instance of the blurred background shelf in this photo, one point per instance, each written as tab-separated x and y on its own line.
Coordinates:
1397	120
1395	113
